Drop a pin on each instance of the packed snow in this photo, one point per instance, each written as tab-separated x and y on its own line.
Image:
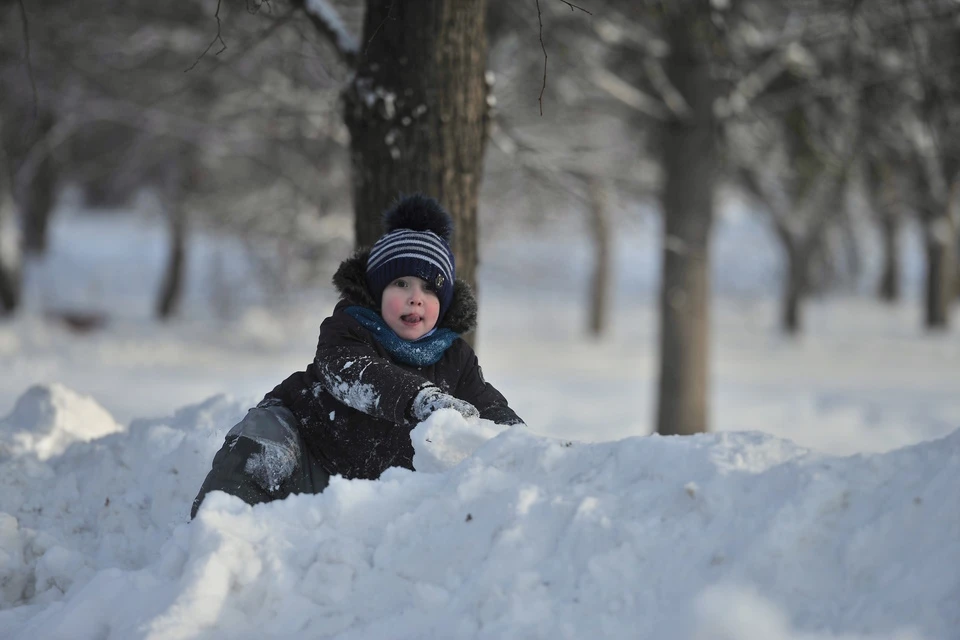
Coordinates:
502	533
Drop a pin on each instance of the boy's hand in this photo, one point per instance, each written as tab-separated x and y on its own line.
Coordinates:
431	399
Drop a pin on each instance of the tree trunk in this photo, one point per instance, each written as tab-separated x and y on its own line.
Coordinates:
689	160
600	234
38	195
884	200
941	261
795	285
416	111
890	287
171	288
9	253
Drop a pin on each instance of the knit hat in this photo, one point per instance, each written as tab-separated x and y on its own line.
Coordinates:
416	242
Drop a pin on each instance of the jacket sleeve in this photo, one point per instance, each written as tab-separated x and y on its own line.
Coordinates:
483	395
229	474
350	369
263	458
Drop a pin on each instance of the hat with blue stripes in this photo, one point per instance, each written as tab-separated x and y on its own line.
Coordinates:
416	243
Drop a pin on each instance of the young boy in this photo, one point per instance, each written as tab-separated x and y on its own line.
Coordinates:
388	357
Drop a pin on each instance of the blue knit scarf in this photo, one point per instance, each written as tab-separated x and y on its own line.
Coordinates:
419	353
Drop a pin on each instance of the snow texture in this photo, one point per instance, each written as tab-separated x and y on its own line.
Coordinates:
500	534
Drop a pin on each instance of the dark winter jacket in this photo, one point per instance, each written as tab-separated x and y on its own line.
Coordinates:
351	407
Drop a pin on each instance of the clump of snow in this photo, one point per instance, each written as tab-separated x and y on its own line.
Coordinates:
49	418
276	462
516	536
361	396
448	438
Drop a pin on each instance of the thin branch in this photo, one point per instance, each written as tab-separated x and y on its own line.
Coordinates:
543	87
542	46
629	94
573	6
377	30
671	95
26	55
212	42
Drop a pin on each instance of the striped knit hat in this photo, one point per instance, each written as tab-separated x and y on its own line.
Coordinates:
416	242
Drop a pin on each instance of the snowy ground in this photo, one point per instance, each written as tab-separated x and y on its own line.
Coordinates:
824	507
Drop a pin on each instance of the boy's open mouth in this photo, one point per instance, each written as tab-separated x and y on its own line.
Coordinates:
411	318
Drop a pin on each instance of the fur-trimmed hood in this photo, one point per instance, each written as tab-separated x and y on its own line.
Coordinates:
351	283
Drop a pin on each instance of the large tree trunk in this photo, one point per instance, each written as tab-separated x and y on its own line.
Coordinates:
602	255
416	112
941	270
689	160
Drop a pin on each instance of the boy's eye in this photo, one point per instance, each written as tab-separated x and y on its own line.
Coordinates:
400	283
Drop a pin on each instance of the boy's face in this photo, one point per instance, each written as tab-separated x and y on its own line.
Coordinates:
409	307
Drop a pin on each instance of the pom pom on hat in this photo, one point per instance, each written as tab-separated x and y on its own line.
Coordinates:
416	242
418	213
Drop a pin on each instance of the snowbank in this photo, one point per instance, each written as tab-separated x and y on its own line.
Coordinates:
733	535
49	418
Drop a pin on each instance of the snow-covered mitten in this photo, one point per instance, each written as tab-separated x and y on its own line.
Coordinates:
431	398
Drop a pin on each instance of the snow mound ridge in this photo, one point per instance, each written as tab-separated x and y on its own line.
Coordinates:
49	418
520	536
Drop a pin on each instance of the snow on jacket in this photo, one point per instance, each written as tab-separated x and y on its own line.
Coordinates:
351	407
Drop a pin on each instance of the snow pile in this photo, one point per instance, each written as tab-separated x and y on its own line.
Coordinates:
518	536
108	503
49	418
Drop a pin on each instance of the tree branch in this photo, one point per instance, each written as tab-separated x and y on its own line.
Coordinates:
670	94
543	87
328	23
752	86
573	6
212	42
629	95
379	26
542	46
